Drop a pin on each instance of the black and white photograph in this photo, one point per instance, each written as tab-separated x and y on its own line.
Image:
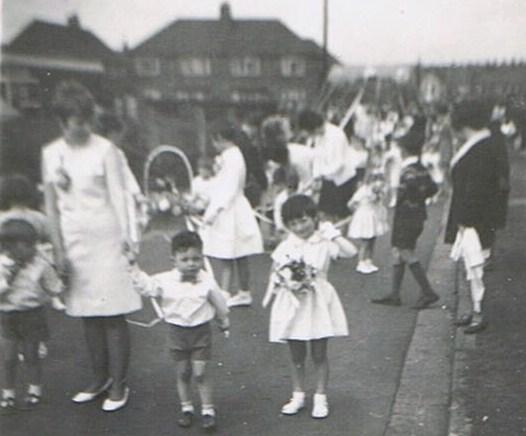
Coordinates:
262	217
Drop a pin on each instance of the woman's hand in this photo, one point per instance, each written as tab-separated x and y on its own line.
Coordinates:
64	268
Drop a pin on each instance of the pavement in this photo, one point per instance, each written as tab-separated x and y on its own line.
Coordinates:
400	372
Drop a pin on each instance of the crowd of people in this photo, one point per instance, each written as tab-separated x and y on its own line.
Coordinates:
322	188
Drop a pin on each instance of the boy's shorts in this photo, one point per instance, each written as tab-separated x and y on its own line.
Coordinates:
24	325
406	233
191	343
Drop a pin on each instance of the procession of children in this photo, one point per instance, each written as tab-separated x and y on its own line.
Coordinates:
332	194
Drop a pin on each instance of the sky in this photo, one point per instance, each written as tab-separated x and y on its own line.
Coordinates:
361	32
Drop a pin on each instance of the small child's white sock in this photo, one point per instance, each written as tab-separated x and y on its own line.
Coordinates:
208	409
296	395
35	390
187	406
8	393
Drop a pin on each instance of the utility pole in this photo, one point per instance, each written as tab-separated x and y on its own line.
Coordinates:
325	41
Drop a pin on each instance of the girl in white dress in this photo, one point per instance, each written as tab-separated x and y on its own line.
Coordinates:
311	313
369	220
85	196
231	232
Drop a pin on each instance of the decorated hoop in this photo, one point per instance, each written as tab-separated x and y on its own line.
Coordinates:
167	179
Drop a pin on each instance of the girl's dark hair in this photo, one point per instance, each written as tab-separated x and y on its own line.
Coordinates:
73	99
186	239
14	230
274	138
309	120
298	206
17	189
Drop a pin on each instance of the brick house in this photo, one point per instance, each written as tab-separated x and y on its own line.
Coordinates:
228	61
44	53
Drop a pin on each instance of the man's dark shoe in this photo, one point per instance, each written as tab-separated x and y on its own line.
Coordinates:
208	422
478	323
185	420
387	301
425	301
464	320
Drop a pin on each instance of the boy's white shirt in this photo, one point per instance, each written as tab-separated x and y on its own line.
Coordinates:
185	303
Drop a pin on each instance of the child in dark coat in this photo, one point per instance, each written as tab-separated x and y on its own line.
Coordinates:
410	214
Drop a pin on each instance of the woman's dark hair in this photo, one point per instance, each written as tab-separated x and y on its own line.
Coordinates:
186	239
17	190
470	113
226	130
14	230
298	206
108	123
309	120
73	99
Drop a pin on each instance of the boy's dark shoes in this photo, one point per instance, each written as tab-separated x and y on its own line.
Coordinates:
425	301
31	401
464	320
185	419
478	323
208	422
387	301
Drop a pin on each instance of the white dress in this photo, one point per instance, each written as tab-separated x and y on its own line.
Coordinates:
370	218
315	314
301	159
234	232
100	284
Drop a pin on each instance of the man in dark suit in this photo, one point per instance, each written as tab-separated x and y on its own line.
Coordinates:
474	177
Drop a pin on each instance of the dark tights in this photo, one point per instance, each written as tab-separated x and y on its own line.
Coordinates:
108	341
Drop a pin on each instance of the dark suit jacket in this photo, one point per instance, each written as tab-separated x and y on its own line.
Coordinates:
475	186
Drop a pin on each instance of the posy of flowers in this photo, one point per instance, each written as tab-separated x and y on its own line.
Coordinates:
295	275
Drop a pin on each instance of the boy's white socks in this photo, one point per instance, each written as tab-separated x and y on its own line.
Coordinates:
187	406
35	390
8	393
208	409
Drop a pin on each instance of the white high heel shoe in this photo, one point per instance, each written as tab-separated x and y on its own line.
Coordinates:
85	397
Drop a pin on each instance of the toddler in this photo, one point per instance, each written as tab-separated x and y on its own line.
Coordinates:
26	280
190	299
369	220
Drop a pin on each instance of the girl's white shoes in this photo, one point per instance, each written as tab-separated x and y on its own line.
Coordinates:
295	404
320	408
366	267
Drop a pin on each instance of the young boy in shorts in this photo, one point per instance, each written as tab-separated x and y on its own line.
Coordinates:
190	298
27	280
410	214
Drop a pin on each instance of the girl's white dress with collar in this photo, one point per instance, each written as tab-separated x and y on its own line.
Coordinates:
314	314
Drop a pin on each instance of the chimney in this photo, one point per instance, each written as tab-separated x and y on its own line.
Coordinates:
225	13
73	21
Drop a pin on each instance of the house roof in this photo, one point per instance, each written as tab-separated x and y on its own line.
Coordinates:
49	39
226	37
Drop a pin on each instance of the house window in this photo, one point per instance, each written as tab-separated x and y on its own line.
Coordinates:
147	67
293	98
245	67
293	66
195	67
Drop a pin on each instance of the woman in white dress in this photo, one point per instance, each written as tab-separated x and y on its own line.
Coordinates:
85	200
231	233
